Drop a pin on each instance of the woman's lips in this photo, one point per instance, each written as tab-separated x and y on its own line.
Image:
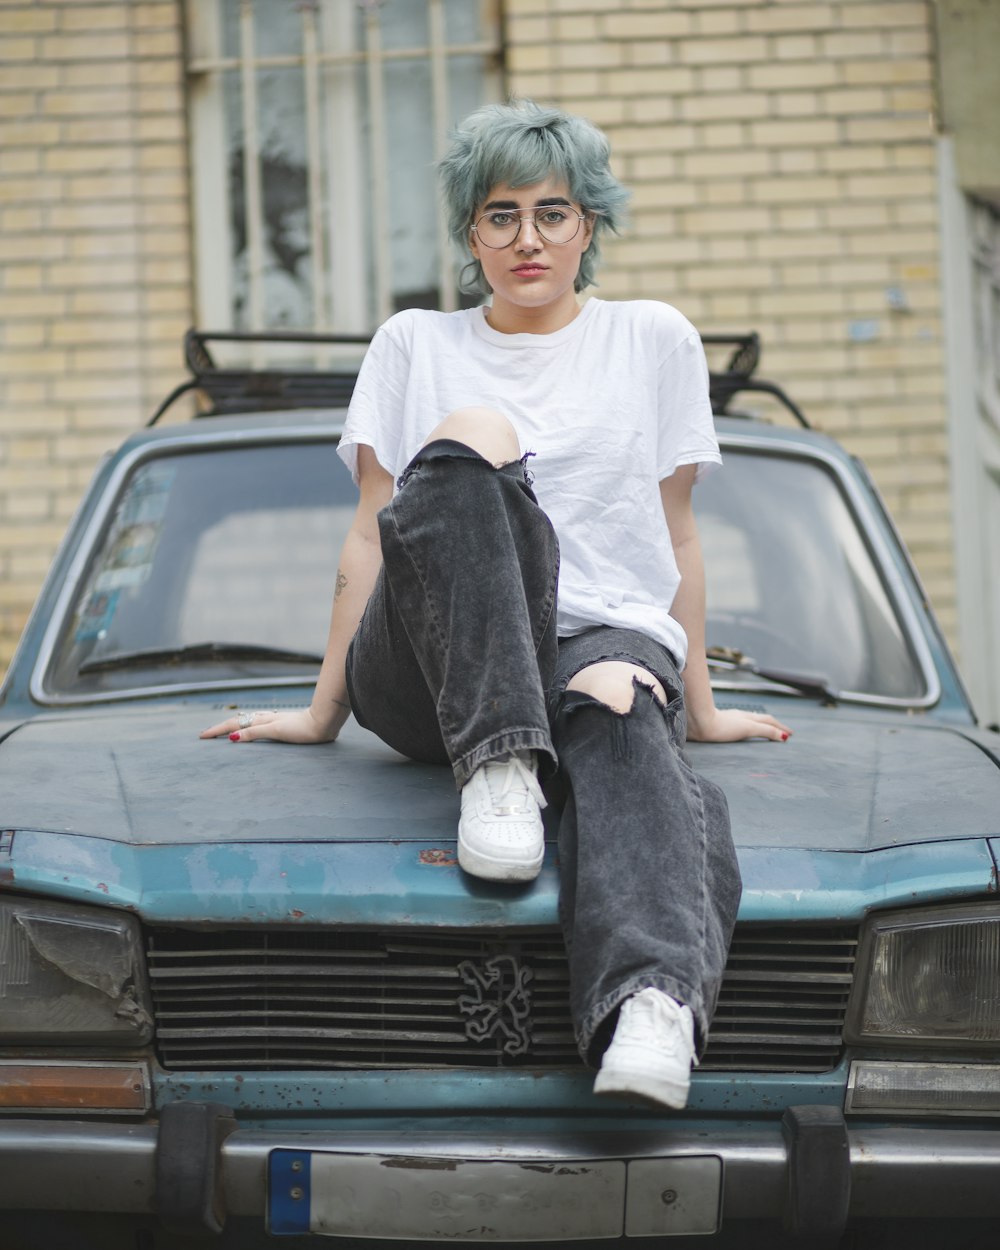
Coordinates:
529	271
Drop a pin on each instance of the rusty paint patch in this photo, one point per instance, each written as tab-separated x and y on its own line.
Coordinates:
296	914
102	886
994	885
436	855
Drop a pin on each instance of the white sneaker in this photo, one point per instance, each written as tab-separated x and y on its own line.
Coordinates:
652	1051
500	835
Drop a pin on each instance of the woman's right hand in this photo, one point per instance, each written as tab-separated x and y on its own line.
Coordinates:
297	725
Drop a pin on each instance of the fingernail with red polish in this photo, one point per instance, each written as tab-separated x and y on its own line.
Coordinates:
784	737
234	737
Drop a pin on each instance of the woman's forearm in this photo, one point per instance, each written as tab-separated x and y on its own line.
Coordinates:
358	568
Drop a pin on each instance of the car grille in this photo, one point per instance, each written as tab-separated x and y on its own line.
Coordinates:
308	999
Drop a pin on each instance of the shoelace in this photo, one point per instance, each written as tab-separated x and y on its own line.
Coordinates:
648	1012
512	779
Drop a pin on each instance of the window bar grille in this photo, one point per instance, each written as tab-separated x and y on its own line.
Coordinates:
252	197
314	164
439	86
379	162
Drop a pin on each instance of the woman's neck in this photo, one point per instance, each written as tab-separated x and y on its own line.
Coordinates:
509	318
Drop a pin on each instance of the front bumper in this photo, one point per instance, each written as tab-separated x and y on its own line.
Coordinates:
811	1170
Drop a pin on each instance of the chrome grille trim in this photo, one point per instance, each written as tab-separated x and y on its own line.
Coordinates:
337	999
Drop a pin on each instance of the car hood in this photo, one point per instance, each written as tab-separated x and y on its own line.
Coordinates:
844	782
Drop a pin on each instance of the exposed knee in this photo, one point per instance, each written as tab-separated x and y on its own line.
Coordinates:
610	682
485	430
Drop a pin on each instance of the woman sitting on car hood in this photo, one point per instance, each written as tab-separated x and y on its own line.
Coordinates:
544	625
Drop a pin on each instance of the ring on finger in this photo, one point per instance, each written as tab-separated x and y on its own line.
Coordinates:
246	719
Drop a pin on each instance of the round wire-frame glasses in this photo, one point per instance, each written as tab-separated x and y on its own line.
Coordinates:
500	227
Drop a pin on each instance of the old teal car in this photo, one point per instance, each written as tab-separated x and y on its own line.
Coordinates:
248	998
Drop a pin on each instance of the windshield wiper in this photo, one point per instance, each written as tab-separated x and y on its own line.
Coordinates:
814	684
198	653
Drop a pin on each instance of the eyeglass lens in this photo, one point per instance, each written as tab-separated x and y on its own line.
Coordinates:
553	222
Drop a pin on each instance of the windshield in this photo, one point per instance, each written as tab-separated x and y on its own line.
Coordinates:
234	546
790	582
219	565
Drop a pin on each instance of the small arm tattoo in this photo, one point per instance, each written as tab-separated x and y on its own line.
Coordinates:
341	583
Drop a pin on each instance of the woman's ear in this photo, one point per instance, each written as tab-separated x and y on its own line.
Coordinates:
473	243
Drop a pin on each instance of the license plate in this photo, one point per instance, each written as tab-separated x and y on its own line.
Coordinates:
422	1198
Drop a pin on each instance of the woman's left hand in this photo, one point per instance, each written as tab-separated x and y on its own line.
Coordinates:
734	725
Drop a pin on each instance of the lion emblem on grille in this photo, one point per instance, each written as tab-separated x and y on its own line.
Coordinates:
500	1003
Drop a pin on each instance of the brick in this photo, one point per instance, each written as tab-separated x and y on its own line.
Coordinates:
890	186
85	103
848	44
795	132
589	55
26	21
580	27
88	158
720	78
855	100
795	104
97	130
34	134
23	277
664	23
108	187
721	134
22	48
78	47
529	30
855	156
93	216
19	161
726	164
96	243
147	16
529	57
85	330
113	387
897	13
719	51
28	364
32	76
21	105
909	42
651	52
795	47
782	18
712	107
797	161
816	190
776	76
91	17
97	74
898	70
727	221
159	43
33	304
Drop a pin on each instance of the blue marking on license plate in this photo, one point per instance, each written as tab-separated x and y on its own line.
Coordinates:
289	1190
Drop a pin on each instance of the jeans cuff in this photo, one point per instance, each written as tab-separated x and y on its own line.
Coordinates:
596	1016
501	745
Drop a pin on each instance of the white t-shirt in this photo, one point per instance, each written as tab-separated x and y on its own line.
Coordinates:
610	405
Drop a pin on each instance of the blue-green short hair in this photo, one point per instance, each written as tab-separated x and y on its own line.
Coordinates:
520	143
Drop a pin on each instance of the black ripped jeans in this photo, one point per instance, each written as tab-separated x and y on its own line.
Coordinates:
457	661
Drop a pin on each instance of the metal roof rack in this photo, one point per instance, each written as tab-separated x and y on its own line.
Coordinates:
257	390
738	376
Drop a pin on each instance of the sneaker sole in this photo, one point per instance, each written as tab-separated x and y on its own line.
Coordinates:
489	869
640	1087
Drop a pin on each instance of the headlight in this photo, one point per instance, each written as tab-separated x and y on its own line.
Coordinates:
929	976
70	974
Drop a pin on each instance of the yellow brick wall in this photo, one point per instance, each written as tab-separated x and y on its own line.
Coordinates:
782	159
781	155
95	271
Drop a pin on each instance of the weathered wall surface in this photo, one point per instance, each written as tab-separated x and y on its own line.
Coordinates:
782	157
95	255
